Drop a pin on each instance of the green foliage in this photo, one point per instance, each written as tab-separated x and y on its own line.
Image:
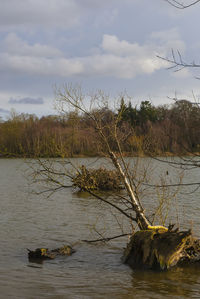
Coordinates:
147	112
97	179
128	113
137	117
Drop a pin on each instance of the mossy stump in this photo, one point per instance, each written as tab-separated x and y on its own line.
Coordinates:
161	249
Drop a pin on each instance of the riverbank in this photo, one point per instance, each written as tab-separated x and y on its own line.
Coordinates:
125	154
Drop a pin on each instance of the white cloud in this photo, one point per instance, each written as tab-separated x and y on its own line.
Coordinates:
113	45
40	65
19	56
123	59
121	67
48	41
14	45
116	58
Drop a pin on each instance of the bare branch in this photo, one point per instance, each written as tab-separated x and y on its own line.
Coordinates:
172	185
111	204
106	239
180	5
178	63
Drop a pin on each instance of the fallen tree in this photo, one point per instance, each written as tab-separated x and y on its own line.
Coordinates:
150	246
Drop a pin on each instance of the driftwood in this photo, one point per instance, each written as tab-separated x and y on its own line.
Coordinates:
159	248
44	253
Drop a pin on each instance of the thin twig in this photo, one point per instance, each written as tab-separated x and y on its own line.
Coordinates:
180	5
106	239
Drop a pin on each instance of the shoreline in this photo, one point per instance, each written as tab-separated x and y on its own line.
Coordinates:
125	154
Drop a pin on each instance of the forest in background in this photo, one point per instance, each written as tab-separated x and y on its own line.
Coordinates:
150	130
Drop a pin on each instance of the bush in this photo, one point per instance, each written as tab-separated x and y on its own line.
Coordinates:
97	179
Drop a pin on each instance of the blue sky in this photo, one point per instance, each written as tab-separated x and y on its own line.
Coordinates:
108	44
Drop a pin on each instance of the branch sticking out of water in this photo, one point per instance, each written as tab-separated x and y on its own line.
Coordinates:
106	239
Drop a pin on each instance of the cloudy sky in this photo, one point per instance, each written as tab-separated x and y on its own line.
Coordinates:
100	44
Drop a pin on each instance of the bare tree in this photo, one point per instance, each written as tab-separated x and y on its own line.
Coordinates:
146	245
178	63
59	175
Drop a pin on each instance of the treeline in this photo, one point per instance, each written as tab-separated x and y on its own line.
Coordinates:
145	130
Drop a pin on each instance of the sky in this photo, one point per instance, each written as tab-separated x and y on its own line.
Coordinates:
99	44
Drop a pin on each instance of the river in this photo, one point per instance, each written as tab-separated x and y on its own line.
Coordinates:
95	270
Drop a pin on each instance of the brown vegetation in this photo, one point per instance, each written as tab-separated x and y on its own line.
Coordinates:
148	130
97	179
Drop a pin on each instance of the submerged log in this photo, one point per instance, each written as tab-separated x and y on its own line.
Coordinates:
45	253
158	248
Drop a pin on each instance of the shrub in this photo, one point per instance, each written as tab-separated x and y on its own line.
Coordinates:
97	179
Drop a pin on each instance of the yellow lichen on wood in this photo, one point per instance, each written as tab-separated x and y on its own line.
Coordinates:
43	251
158	228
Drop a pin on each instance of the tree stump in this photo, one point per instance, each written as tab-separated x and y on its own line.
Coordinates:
161	249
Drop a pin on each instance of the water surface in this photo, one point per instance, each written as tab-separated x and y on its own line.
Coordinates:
94	271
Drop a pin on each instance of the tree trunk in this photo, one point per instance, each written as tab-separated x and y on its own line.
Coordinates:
161	249
142	221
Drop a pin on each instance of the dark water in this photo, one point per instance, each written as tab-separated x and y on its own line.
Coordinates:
94	271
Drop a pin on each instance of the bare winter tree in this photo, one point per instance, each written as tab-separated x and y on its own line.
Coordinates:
112	135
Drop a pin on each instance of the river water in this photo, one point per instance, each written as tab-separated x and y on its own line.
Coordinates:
94	271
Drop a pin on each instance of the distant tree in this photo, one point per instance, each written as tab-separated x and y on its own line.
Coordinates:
147	111
128	113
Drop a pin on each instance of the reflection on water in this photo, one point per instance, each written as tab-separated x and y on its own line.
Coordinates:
94	271
176	283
